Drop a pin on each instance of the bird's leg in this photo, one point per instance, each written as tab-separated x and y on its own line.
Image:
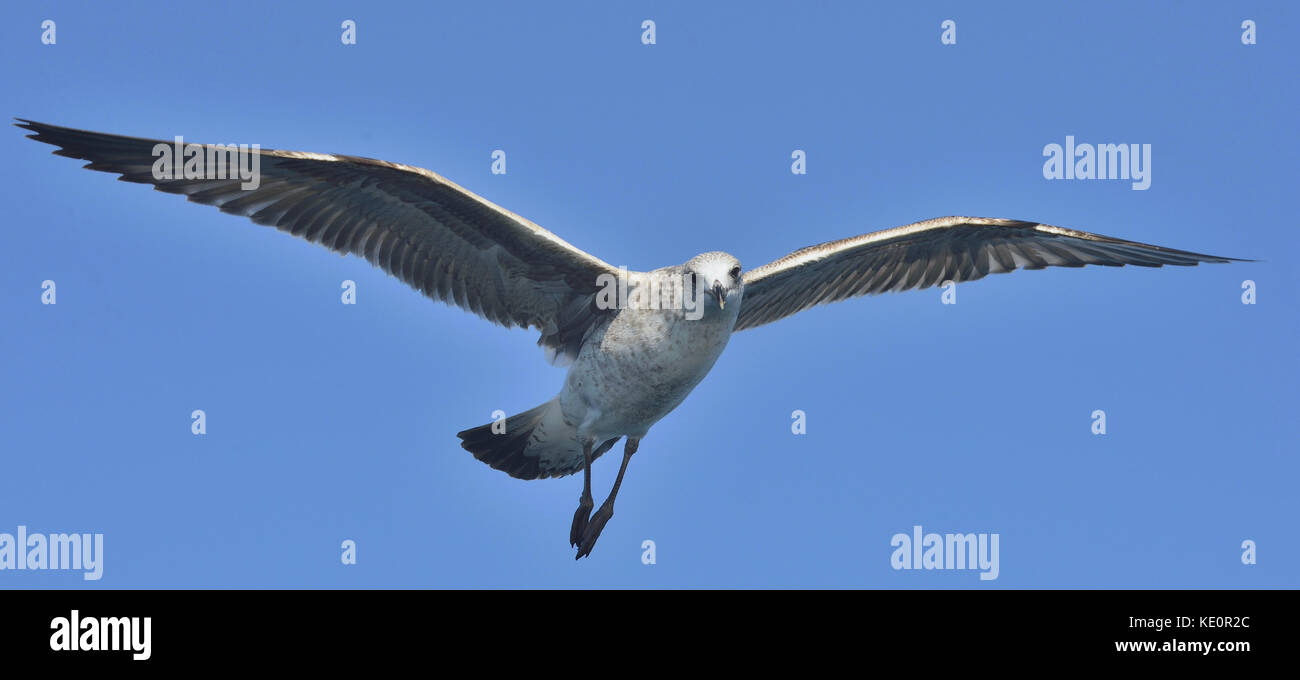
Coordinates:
584	503
606	510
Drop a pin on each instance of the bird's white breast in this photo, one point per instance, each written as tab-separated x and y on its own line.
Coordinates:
640	366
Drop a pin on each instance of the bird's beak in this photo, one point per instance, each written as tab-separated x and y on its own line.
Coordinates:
721	294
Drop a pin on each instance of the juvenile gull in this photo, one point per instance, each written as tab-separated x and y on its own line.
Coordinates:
629	364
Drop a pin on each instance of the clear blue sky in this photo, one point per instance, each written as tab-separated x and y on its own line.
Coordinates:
329	422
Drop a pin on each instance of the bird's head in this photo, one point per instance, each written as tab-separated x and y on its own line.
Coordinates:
717	278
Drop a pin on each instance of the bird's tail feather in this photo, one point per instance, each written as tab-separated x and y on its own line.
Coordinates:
535	443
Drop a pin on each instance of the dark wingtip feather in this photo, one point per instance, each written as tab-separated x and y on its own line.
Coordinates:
38	128
31	125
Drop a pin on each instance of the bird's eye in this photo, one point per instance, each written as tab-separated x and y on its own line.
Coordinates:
735	272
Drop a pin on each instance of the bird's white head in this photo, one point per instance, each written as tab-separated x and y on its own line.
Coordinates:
717	277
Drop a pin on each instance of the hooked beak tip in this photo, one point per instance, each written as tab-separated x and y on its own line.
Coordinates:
721	294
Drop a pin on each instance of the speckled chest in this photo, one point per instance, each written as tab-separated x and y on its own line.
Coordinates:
643	363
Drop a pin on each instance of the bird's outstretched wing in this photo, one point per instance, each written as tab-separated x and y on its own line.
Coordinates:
929	253
440	239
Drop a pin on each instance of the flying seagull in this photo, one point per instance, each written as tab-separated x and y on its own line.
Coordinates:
630	363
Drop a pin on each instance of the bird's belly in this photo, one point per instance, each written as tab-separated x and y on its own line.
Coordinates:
640	368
